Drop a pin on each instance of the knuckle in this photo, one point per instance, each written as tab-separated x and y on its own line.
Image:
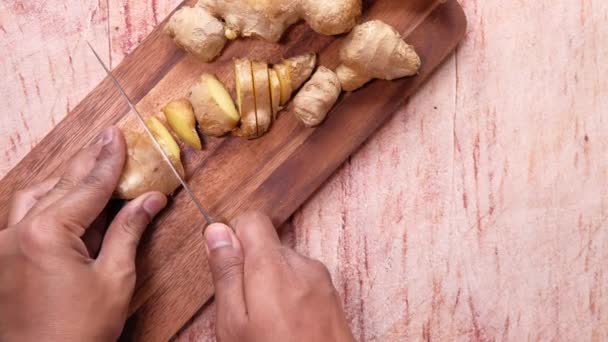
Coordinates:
39	222
253	216
70	222
267	259
231	267
93	180
123	275
320	273
287	252
320	268
32	239
133	223
64	184
20	195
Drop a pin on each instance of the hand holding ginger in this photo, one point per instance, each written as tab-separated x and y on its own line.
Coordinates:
62	279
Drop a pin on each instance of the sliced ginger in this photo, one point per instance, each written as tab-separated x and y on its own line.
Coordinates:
180	116
293	72
275	92
145	168
164	139
253	94
261	95
213	106
263	98
261	91
245	93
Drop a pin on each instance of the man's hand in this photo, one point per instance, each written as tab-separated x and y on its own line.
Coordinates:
266	292
53	286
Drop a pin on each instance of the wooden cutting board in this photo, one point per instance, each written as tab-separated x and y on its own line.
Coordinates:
275	174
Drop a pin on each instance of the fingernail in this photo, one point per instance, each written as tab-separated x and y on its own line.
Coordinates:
104	138
107	136
217	236
154	204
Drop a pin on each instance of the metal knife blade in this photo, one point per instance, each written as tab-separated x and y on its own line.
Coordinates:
193	197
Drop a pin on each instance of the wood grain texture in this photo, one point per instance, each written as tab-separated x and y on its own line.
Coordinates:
436	229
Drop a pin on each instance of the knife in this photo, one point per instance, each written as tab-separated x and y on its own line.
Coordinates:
197	203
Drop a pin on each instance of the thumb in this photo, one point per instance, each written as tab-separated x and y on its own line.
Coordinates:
226	263
122	237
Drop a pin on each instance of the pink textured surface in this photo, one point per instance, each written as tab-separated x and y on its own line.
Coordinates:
480	212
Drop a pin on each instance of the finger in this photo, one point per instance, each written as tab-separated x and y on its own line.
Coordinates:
119	246
256	234
226	263
24	200
84	202
77	169
264	262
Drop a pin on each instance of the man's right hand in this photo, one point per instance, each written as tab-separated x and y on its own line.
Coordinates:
267	292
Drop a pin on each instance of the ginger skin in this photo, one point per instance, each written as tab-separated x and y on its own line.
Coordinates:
194	30
317	97
145	169
375	50
262	90
213	106
180	116
293	72
245	92
263	98
268	19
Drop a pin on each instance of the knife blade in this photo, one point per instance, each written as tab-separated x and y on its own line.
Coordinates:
197	203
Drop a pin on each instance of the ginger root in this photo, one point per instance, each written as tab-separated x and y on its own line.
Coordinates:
245	94
253	91
145	169
213	106
268	19
263	98
275	92
180	116
317	97
196	31
261	91
375	50
293	72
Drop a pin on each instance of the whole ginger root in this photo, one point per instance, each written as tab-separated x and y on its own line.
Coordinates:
268	19
375	50
317	97
197	32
